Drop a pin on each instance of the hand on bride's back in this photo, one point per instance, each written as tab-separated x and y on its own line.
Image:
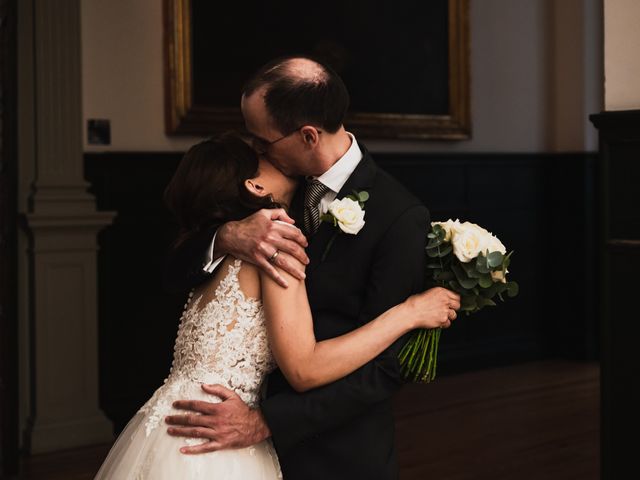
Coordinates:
433	308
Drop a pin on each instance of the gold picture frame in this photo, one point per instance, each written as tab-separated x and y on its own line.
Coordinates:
183	116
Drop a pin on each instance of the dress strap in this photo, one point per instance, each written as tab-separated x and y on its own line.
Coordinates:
230	281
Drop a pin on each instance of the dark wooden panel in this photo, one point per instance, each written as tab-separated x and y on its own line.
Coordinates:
623	198
8	242
619	243
621	366
530	201
138	321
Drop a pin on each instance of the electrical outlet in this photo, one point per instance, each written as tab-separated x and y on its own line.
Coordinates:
99	131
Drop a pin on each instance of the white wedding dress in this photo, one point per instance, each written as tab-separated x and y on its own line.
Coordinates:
221	341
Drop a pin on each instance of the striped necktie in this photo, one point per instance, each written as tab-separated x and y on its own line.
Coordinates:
313	194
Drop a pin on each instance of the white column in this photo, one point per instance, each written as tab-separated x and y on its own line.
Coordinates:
63	223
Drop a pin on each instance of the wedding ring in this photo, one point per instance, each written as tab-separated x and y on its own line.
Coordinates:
273	257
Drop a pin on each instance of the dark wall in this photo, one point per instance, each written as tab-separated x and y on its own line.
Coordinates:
540	205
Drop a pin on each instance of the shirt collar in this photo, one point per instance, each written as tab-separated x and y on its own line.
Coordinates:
339	173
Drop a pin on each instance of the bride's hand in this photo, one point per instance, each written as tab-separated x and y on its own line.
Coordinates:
433	308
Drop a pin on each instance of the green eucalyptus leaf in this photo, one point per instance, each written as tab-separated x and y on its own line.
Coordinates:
462	278
432	252
491	291
446	251
481	264
486	302
494	259
439	232
363	196
512	289
485	281
434	265
456	287
434	242
431	235
468	302
469	283
459	271
445	276
470	269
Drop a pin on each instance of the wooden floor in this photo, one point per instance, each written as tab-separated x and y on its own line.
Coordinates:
531	421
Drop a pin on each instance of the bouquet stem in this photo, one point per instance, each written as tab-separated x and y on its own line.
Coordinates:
418	358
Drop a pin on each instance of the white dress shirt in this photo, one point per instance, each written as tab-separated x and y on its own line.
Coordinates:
334	179
338	174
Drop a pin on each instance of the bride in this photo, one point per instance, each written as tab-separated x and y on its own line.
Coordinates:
239	324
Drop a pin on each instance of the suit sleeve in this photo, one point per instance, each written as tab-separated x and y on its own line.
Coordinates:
184	264
398	272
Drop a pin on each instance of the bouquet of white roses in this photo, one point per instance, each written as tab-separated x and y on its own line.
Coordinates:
469	260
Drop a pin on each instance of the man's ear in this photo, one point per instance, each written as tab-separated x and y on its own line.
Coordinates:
254	187
310	135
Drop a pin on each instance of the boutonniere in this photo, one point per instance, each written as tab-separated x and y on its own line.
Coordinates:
347	214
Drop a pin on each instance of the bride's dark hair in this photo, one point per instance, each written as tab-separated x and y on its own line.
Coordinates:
208	187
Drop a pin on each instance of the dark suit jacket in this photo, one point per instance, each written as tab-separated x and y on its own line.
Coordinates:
345	430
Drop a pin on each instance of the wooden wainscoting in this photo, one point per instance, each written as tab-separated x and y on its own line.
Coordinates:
531	421
538	194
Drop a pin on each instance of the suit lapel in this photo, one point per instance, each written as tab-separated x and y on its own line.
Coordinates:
361	179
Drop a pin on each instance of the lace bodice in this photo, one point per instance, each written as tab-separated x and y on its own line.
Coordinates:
221	342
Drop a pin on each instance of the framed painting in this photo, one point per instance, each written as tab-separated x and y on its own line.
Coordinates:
405	63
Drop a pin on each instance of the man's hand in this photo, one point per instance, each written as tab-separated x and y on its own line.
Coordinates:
258	237
230	424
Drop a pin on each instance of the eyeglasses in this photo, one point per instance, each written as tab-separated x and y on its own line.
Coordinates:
261	145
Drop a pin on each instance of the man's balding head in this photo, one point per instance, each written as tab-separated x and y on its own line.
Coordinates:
300	91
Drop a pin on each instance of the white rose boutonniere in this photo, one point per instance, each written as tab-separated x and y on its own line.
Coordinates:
347	214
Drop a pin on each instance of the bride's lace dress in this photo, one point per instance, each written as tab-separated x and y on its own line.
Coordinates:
223	341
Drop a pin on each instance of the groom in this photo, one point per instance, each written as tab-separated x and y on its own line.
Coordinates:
294	109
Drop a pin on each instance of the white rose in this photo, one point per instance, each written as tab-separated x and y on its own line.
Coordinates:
349	214
495	245
488	242
468	240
